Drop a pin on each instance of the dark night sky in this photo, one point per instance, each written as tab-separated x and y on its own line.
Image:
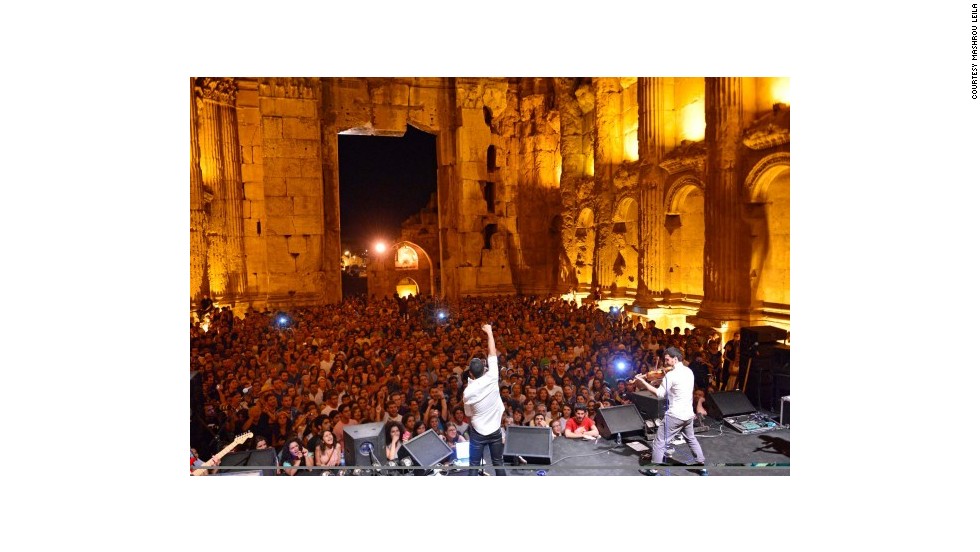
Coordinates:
383	181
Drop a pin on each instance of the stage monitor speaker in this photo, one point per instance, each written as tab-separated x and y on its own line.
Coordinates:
261	458
356	452
624	420
761	334
728	403
649	404
530	443
427	449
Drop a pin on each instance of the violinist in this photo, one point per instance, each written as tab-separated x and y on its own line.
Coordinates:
676	382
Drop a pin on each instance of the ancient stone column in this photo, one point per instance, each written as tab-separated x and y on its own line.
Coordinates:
608	156
198	250
221	174
723	115
653	144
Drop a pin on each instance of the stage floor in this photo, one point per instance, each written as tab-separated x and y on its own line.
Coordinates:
727	453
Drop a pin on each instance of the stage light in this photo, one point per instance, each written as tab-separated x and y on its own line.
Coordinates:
380	247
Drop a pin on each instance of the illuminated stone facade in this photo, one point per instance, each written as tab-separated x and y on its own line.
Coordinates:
669	195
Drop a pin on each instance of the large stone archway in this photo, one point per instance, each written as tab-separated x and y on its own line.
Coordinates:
685	239
768	189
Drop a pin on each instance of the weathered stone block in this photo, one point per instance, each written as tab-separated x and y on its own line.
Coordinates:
299	186
252	172
279	207
493	276
298	108
399	94
423	113
249	117
311	169
390	119
471	190
467	277
304	265
280	260
278	225
546	142
271	129
291	168
254	189
255	250
301	149
473	170
247	98
250	135
307	205
306	224
269	106
301	129
275	187
472	243
296	244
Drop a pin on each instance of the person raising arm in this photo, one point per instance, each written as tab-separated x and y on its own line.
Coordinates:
482	403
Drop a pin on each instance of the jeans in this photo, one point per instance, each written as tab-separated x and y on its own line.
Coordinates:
673	426
477	443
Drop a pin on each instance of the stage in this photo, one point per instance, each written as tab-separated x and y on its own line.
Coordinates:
727	453
761	448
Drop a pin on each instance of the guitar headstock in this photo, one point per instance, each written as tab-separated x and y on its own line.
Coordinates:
243	437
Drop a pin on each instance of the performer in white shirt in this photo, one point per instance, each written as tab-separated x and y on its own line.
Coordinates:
481	402
678	386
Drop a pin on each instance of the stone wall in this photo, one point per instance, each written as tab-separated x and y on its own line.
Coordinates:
666	193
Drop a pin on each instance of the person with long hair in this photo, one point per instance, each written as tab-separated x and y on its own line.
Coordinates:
328	452
294	455
395	434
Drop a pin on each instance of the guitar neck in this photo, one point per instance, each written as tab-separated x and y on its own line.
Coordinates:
239	440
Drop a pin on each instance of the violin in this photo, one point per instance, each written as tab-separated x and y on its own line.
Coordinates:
657	374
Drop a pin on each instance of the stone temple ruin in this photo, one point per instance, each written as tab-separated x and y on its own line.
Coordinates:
668	196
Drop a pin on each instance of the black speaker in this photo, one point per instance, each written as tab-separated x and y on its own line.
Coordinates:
649	404
356	450
624	420
761	334
728	403
427	449
264	458
764	374
780	359
531	443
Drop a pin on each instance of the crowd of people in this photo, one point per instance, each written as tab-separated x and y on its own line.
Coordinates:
295	379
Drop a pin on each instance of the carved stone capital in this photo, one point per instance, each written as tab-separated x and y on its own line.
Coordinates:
770	130
221	90
686	156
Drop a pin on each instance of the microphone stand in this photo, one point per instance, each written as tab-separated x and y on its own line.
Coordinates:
374	459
